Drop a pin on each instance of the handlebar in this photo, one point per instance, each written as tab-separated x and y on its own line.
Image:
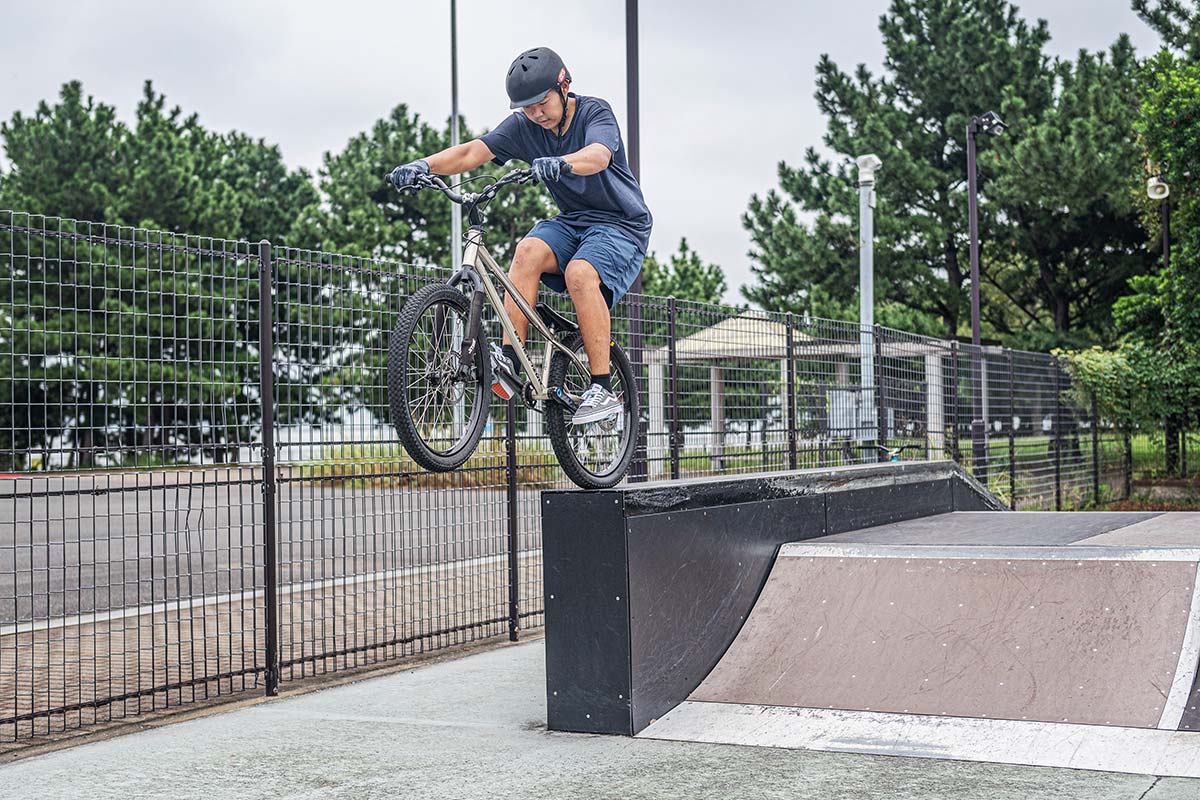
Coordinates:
467	198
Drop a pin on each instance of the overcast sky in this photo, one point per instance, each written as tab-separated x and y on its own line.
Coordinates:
726	85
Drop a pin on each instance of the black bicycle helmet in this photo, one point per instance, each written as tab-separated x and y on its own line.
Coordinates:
532	74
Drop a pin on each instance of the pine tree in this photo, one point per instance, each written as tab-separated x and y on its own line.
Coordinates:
685	276
364	216
1175	21
945	60
1067	232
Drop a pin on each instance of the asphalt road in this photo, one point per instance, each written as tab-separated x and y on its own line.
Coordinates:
77	544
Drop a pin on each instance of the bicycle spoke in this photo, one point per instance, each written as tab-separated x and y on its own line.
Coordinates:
436	397
596	448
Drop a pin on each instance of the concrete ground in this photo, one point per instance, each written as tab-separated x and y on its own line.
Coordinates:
475	728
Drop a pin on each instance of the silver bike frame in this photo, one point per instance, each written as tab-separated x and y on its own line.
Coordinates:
477	260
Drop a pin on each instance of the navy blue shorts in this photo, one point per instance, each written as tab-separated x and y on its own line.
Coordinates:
615	257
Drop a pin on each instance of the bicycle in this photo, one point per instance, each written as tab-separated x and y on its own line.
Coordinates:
439	369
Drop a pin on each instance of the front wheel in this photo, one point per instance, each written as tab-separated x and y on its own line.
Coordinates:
439	400
596	455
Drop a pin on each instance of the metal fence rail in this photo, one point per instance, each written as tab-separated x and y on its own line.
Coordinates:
203	494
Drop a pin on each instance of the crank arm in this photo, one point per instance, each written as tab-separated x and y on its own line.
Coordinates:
560	396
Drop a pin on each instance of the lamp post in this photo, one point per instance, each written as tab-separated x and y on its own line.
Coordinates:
1156	189
455	208
991	124
638	468
867	167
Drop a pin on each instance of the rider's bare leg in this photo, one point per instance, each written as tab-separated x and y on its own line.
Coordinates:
532	258
583	282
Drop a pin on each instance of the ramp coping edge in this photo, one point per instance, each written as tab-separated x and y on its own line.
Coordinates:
998	552
1185	672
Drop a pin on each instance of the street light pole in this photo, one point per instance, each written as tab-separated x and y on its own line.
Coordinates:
455	208
459	411
638	468
633	149
867	166
989	123
1156	189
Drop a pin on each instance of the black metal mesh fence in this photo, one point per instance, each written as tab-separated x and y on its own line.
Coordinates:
131	549
203	495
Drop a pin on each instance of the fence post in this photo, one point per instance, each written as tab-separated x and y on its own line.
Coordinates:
266	346
1095	449
514	577
881	426
638	466
675	430
1185	420
790	355
980	451
954	401
822	413
1058	443
1128	463
1012	434
765	448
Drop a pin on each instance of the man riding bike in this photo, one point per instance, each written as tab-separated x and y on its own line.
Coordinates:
593	249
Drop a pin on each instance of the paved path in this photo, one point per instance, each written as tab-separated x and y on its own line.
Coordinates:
474	728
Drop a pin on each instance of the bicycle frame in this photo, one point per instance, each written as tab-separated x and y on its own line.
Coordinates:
482	271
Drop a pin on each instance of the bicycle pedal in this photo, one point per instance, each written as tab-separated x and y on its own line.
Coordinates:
560	396
506	386
500	390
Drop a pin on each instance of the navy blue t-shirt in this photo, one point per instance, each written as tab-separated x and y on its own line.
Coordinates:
610	197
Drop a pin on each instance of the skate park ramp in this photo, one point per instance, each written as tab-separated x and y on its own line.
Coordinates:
1053	639
646	585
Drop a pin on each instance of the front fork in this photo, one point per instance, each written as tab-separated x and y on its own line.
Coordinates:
466	354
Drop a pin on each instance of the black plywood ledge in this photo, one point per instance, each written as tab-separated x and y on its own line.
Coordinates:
646	586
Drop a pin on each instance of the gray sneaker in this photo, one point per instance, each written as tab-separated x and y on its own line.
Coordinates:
598	404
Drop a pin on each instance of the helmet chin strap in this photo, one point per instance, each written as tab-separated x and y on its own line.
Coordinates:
563	119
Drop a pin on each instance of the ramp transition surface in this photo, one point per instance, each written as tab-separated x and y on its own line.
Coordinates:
964	635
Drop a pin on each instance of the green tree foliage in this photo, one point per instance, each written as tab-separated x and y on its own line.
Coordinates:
1170	128
136	331
685	277
945	59
1060	230
1154	375
139	344
76	160
1177	21
364	216
63	160
140	341
1067	231
1134	385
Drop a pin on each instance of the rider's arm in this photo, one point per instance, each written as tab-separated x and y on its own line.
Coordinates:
590	160
460	158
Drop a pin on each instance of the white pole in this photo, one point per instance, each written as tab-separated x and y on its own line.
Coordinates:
455	208
867	165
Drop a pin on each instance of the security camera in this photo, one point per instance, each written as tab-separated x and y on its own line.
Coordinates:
1156	189
991	123
867	165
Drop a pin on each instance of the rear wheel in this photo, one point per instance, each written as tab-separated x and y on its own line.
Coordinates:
439	403
597	455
